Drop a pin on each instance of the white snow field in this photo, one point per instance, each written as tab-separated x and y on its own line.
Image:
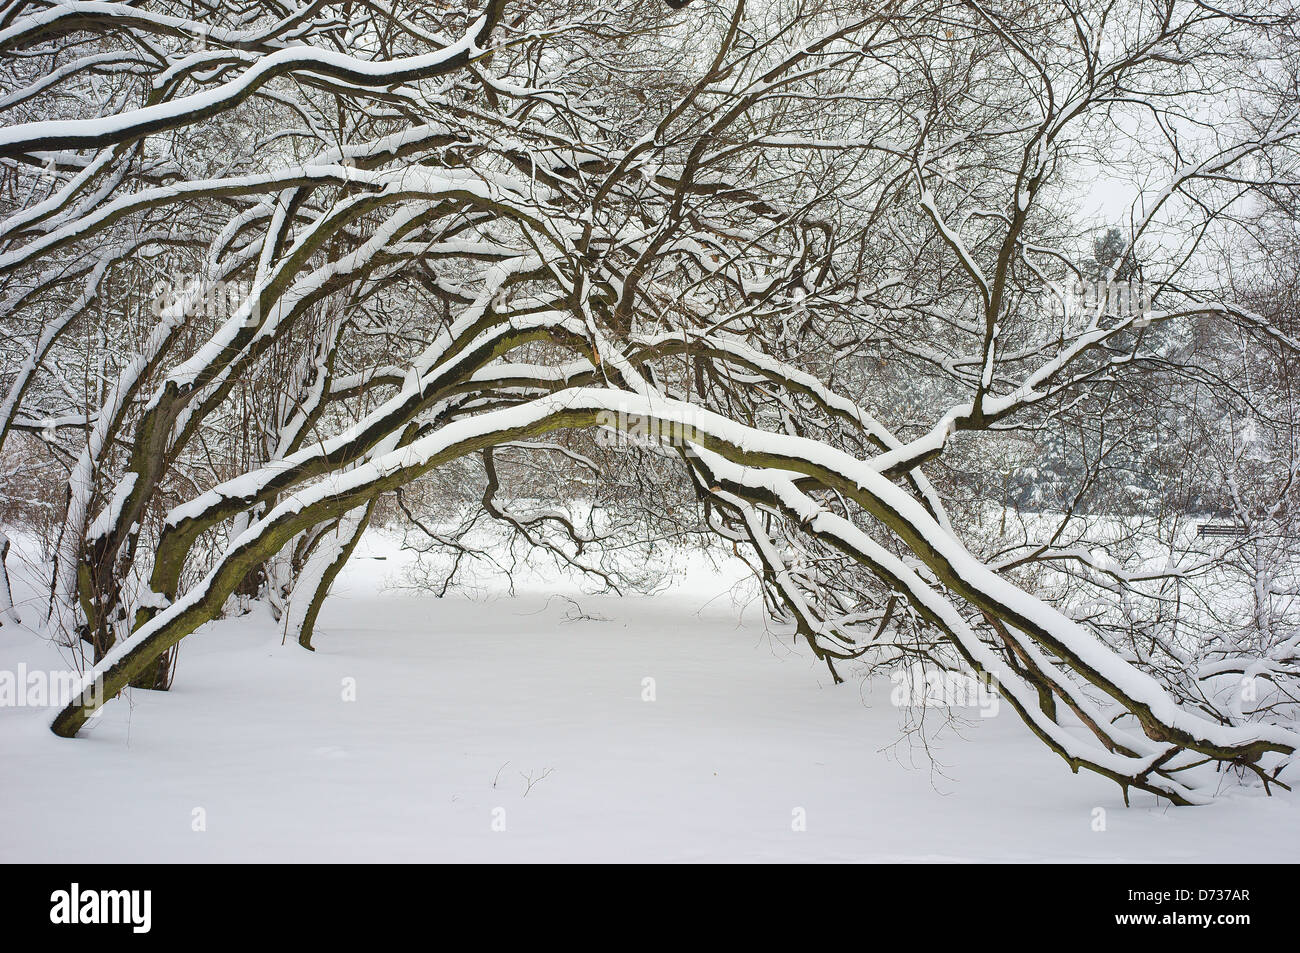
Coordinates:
460	701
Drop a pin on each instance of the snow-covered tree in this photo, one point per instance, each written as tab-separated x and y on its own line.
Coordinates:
263	266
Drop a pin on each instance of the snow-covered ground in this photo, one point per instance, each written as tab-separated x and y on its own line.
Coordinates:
460	701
